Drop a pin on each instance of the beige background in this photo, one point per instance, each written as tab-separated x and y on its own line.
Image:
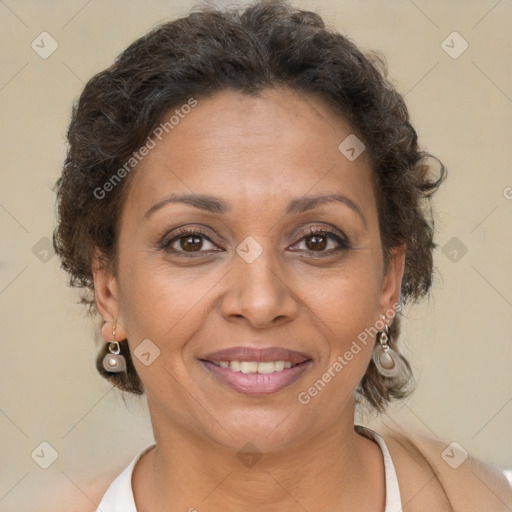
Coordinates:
459	341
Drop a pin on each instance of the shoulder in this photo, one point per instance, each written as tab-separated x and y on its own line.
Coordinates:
85	494
74	496
433	472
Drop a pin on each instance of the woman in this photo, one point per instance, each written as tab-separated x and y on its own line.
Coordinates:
245	200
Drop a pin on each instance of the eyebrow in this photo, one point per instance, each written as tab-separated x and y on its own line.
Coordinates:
217	205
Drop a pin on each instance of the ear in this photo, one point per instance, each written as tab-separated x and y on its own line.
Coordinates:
392	280
106	294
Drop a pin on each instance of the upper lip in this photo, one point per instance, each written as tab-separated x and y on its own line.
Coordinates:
257	354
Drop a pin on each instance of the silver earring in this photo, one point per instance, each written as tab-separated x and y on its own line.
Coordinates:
114	362
386	360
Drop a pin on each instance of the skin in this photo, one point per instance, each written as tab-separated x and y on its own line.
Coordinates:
256	154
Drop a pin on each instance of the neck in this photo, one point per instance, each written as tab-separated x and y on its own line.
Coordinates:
337	468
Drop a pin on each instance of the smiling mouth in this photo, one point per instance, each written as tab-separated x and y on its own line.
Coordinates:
257	377
256	370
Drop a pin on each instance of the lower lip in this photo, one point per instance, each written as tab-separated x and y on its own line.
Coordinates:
257	383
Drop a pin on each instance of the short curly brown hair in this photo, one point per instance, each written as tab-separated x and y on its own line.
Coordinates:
265	45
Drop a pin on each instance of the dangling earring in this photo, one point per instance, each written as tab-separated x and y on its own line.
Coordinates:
114	362
386	360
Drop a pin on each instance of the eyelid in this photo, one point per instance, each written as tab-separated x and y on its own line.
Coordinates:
182	232
312	230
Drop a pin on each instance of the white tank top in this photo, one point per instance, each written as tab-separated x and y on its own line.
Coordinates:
119	496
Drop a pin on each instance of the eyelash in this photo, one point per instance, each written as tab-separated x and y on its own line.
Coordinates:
304	233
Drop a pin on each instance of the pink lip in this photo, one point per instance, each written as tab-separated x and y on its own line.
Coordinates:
256	354
255	383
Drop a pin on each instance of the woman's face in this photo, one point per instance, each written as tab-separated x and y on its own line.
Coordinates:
249	273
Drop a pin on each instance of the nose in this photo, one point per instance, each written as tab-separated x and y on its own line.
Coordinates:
259	294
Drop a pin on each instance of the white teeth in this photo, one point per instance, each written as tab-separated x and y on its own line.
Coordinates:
249	366
255	366
235	366
266	367
280	365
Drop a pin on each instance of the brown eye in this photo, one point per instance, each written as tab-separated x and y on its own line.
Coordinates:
185	242
316	242
191	243
322	241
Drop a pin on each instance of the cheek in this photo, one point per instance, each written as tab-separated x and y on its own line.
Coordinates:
346	307
160	302
168	310
351	338
349	294
344	316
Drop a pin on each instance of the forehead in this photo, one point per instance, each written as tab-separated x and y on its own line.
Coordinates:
273	147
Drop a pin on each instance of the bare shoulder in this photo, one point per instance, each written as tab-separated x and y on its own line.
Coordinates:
78	497
431	471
